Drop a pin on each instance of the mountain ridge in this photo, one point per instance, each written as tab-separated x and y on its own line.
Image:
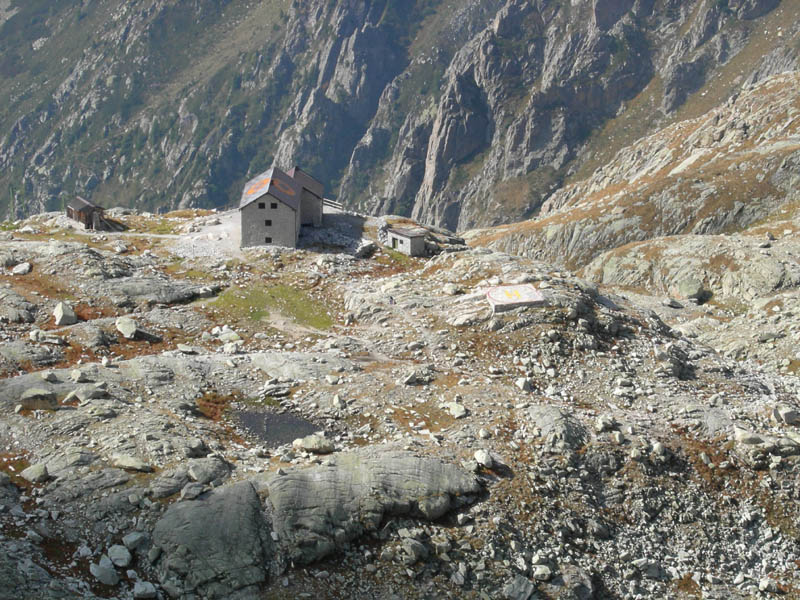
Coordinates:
460	114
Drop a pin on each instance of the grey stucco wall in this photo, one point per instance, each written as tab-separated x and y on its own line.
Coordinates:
414	246
283	231
311	209
417	246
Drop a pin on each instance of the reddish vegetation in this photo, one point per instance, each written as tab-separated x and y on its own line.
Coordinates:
13	463
84	312
213	405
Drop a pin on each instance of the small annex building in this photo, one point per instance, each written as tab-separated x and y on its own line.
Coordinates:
311	200
408	240
275	204
87	213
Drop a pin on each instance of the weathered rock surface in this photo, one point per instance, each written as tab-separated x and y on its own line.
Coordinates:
316	510
38	399
22	577
15	308
104	571
127	327
21	269
469	119
63	314
678	181
216	546
604	448
208	470
130	463
130	291
559	429
36	473
315	444
732	268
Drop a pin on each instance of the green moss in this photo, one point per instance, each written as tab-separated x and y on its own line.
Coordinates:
266	401
160	227
300	307
257	302
195	274
396	256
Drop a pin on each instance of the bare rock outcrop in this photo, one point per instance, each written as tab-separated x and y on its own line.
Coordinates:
734	268
216	546
724	171
14	308
316	510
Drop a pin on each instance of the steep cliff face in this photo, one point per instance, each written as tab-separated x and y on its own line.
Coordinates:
524	102
460	113
169	103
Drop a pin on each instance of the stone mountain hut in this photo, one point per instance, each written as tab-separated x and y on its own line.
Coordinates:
87	213
408	240
275	204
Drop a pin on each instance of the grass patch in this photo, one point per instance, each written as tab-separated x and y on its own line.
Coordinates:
395	256
261	402
189	213
177	269
160	226
257	302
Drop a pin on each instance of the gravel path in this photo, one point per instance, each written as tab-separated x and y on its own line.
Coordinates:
220	240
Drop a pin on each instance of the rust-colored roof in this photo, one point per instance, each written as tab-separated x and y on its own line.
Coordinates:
275	183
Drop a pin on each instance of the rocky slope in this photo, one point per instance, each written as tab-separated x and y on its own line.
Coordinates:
180	419
732	169
461	112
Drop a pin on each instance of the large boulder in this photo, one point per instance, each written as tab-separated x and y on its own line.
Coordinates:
130	463
64	314
38	399
558	429
127	327
15	308
317	509
208	470
128	291
36	473
214	547
315	444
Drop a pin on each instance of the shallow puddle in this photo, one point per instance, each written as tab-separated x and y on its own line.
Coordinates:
272	428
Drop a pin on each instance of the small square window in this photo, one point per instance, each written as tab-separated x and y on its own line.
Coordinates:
268	222
262	205
267	240
273	205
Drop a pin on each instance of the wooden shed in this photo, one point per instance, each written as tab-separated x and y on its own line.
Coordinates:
85	212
